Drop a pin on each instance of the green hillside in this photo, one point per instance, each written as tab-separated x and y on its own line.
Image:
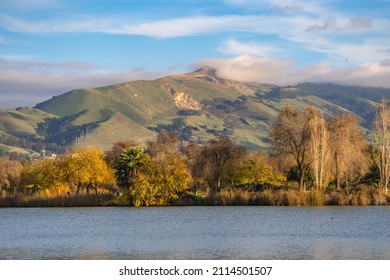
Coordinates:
198	105
17	127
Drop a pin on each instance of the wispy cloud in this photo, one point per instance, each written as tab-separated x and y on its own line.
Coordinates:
235	47
288	6
9	63
75	24
167	28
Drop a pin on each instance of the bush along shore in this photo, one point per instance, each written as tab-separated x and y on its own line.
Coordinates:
311	161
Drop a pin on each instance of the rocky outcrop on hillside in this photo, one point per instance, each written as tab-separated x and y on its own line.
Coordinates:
182	100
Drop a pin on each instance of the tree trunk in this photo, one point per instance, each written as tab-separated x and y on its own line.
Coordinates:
337	172
78	188
301	179
218	185
96	191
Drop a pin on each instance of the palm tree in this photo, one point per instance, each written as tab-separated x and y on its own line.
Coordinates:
128	165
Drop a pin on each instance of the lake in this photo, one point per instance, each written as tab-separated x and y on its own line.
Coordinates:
195	233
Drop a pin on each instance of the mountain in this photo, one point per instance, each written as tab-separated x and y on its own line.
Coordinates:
198	105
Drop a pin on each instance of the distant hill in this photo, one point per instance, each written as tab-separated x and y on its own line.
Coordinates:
198	105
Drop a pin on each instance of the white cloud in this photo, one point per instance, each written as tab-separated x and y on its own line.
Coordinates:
234	47
185	26
282	72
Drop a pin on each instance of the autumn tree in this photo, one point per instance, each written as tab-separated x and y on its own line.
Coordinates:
191	154
85	168
215	158
290	135
46	176
160	181
347	146
10	171
381	140
257	169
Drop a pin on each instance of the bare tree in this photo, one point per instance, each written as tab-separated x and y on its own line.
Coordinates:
166	143
290	135
318	146
347	145
381	139
216	156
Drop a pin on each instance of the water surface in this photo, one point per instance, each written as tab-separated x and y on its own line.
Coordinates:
195	233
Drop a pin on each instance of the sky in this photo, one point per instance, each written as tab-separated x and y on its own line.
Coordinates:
49	47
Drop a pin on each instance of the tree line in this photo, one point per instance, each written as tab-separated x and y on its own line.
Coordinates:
308	152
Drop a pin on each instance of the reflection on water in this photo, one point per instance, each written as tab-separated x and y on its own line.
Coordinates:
195	233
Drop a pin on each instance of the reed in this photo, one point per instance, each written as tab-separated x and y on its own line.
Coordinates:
360	196
55	201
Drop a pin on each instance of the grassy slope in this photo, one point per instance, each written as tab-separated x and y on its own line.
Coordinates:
117	127
21	122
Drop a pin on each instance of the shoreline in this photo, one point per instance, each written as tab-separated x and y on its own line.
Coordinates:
229	197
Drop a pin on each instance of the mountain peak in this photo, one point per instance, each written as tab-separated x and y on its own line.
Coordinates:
207	70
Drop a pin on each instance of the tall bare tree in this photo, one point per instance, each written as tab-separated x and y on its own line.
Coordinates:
347	145
381	139
290	135
167	142
318	146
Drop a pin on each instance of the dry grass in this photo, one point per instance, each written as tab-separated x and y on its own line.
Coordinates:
364	195
291	197
55	201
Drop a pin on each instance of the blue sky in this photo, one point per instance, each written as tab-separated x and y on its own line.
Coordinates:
48	47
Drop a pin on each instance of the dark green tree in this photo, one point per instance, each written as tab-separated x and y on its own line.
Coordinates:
128	165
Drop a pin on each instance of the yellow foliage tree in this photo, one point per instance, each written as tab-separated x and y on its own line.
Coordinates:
42	175
78	168
160	181
256	170
86	168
